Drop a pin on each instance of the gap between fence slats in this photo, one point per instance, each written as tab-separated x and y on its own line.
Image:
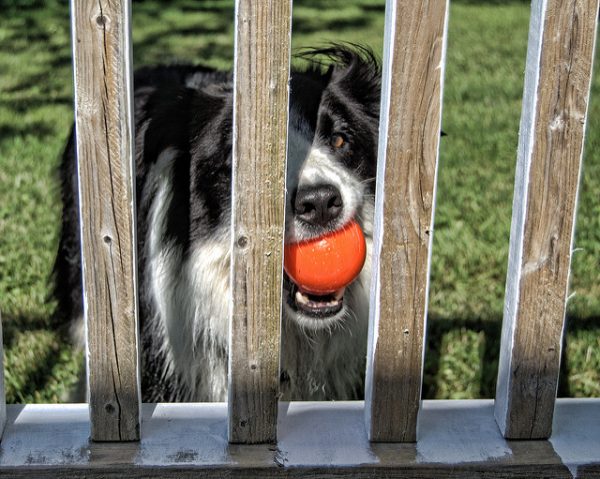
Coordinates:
555	103
259	149
415	41
104	130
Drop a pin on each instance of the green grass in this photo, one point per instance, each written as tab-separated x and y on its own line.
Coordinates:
483	89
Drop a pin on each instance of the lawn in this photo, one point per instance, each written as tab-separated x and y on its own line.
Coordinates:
484	79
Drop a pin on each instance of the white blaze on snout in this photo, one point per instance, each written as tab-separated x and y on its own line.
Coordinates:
310	164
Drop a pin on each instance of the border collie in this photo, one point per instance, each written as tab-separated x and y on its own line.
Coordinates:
183	134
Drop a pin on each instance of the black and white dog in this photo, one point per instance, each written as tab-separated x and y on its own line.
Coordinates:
183	120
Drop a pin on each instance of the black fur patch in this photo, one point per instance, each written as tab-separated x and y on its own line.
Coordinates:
189	109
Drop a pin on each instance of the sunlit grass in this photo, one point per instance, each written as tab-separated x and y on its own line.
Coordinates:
484	80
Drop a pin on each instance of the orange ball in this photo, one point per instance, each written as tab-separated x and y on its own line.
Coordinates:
328	263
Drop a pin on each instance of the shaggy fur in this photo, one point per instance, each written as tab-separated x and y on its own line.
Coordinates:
183	119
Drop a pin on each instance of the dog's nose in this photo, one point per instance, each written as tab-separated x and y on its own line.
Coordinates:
318	205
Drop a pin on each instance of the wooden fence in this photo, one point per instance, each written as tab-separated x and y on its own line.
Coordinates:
418	439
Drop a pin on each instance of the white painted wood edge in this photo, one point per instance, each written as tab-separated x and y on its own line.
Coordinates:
74	70
386	94
234	433
442	68
542	49
128	109
129	74
374	308
129	94
519	208
312	434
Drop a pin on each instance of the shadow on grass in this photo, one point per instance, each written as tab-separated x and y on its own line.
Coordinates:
156	8
32	32
13	325
33	88
437	328
22	4
38	374
39	129
34	346
34	378
305	27
29	31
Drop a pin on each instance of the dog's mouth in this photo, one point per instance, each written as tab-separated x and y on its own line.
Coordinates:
313	305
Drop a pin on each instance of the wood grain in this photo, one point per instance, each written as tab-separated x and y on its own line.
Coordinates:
555	103
259	149
104	129
458	439
415	38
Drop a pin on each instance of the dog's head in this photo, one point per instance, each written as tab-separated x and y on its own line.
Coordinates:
332	151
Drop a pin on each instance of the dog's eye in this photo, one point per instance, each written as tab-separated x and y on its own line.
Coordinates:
337	140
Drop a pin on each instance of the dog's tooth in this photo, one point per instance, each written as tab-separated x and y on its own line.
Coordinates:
301	298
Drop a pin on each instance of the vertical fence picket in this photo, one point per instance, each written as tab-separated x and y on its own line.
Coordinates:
415	40
259	149
555	101
104	130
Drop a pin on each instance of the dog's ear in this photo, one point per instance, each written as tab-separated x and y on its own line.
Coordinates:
353	68
358	72
328	74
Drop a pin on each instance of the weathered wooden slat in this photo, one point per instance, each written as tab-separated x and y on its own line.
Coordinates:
104	129
259	149
555	102
2	390
415	39
457	439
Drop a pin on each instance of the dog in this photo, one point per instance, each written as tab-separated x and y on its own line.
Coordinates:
183	141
